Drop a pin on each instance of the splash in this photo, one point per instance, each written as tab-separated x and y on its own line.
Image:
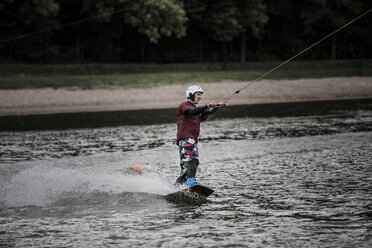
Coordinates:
45	184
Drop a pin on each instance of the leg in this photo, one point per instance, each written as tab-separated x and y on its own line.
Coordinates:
191	172
189	162
193	166
182	179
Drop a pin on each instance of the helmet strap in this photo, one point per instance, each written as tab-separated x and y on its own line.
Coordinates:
192	96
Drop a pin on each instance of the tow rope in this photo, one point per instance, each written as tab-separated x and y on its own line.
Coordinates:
288	60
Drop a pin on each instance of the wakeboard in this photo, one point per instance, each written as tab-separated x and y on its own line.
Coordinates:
194	193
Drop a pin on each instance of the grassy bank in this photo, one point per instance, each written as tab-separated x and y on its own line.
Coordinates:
142	75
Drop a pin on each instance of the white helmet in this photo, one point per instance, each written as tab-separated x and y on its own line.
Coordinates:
190	91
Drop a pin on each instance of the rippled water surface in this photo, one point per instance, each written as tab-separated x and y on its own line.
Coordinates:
279	182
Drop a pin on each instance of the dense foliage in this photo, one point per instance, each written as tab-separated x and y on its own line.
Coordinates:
174	31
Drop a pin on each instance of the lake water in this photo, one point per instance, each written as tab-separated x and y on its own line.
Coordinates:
302	181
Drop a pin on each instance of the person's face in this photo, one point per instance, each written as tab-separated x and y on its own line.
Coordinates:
197	97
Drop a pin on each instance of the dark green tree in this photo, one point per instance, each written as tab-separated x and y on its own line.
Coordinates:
253	17
226	20
320	17
151	18
156	18
61	31
21	25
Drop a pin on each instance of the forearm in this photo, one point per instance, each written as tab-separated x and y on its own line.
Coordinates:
196	111
208	112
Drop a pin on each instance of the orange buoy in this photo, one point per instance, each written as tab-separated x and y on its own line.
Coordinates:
137	168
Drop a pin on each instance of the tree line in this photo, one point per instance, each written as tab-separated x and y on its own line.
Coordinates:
180	31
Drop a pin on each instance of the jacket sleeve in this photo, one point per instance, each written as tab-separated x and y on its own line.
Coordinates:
207	112
196	111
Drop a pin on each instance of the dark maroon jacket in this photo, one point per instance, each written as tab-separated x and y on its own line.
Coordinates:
188	126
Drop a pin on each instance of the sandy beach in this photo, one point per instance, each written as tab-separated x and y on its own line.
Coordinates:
48	100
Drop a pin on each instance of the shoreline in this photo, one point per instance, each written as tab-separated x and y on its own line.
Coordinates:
78	120
53	101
